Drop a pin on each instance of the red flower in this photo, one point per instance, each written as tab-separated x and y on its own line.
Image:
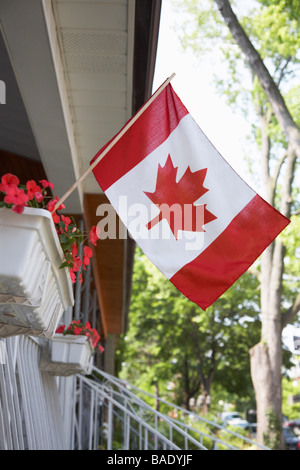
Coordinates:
55	217
39	196
77	330
94	235
66	220
18	209
88	251
72	275
32	189
60	329
76	263
74	249
14	195
46	184
76	259
51	204
8	180
87	254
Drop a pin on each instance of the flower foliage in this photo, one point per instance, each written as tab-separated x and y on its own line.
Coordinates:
77	328
17	196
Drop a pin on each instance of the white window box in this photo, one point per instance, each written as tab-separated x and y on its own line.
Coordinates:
34	292
65	355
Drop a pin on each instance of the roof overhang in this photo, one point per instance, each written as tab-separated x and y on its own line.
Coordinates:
75	72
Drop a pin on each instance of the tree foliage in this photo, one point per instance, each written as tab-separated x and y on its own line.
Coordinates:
174	345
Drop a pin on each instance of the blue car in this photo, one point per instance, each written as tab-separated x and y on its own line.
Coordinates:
291	440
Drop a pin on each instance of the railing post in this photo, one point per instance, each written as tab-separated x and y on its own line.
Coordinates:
126	429
146	439
186	442
155	437
171	433
109	425
90	420
96	423
80	410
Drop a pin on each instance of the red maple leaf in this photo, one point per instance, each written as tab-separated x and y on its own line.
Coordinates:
175	200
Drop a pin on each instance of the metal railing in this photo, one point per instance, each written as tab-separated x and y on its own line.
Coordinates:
129	422
189	417
126	422
100	412
30	414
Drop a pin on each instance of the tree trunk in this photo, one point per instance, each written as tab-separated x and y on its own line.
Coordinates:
266	357
268	396
206	385
206	402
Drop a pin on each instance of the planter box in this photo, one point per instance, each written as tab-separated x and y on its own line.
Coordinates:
34	292
66	355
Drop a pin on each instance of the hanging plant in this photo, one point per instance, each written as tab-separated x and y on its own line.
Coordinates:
71	350
16	197
79	329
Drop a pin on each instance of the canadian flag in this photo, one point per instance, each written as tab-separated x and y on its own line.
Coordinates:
199	223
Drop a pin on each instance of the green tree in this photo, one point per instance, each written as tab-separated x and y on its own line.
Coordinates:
268	39
173	343
290	389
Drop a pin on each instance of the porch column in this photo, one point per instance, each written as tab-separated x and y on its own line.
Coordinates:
109	359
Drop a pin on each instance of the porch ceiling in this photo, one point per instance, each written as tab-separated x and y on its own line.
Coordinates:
75	72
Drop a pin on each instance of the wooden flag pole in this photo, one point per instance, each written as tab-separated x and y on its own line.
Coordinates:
113	142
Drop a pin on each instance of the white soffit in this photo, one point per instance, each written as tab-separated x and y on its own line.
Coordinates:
96	40
27	41
73	61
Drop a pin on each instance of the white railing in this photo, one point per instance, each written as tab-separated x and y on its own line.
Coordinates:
30	413
130	417
187	417
99	412
127	422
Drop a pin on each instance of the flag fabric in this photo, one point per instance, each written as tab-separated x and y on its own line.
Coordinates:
198	222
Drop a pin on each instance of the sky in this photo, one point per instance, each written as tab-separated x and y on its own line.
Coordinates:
193	84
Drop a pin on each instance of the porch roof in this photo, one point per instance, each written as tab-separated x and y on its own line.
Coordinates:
75	71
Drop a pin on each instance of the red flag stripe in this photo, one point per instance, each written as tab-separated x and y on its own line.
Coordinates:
151	129
208	276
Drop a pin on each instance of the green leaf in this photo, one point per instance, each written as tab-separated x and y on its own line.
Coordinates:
64	265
